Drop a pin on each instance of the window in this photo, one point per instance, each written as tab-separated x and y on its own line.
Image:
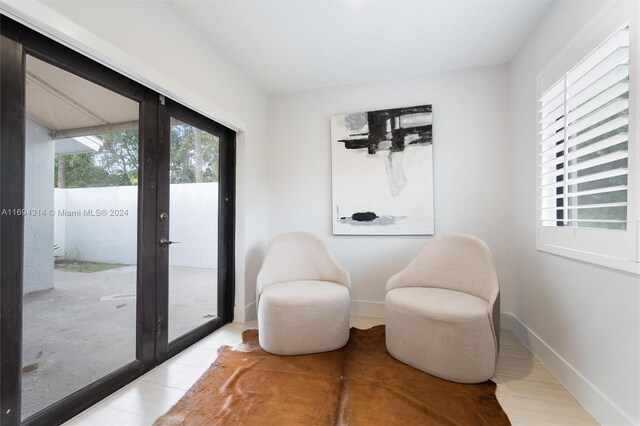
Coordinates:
584	141
586	199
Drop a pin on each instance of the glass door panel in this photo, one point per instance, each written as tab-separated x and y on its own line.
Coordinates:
193	227
80	234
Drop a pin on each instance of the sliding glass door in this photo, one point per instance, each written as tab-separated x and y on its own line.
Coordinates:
100	178
80	234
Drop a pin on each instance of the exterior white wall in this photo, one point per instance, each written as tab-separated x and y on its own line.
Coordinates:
38	228
113	238
167	51
193	222
471	170
582	320
108	239
59	222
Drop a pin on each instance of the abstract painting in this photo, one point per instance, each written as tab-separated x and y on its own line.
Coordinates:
382	172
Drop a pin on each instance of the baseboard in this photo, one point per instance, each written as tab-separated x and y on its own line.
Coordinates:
367	309
250	311
244	314
603	409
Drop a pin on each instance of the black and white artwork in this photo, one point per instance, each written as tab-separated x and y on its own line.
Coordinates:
382	170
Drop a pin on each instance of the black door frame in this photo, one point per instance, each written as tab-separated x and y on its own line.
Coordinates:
226	213
11	228
17	42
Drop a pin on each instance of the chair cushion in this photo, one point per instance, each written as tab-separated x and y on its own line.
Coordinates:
302	293
302	317
440	304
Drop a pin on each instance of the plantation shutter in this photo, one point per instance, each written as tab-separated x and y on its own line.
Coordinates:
552	147
584	123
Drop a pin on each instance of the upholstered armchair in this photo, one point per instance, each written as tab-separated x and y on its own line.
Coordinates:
442	311
303	297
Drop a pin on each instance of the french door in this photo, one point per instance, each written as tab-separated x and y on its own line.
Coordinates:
195	214
116	229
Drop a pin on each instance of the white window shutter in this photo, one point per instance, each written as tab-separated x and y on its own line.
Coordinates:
584	126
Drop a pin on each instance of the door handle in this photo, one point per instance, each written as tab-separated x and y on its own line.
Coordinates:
164	242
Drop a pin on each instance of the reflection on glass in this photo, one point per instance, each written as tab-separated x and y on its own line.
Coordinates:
80	237
193	222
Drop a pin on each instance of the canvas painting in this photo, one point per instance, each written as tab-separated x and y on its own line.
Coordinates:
382	172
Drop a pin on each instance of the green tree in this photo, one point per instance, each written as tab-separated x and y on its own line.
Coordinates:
186	158
119	157
194	158
115	164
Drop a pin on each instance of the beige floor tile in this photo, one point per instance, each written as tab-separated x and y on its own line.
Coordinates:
501	390
539	390
174	375
101	415
196	357
515	350
220	338
249	325
511	368
523	411
507	337
531	394
145	399
364	323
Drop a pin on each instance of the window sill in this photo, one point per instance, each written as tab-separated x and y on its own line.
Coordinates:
618	264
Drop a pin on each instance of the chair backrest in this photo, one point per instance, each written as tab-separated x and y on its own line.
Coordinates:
299	256
454	262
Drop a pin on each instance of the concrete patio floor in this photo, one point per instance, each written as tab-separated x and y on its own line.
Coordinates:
85	327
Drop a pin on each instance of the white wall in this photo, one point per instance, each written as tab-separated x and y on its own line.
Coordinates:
581	320
193	223
177	55
38	227
471	168
103	238
59	222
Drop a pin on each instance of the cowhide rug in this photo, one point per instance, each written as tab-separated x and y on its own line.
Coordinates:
360	384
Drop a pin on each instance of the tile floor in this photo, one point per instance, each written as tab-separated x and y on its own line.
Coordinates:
528	392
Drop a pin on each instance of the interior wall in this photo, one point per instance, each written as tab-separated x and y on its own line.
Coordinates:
168	45
471	164
582	320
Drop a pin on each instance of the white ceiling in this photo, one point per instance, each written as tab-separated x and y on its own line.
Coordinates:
292	45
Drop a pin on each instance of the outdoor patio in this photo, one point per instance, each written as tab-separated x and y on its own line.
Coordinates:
84	327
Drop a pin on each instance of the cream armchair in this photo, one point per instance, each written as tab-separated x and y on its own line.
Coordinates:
442	311
303	297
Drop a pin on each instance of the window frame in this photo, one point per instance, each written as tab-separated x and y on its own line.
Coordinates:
615	249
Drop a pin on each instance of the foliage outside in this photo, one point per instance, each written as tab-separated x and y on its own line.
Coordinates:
603	213
194	158
86	267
